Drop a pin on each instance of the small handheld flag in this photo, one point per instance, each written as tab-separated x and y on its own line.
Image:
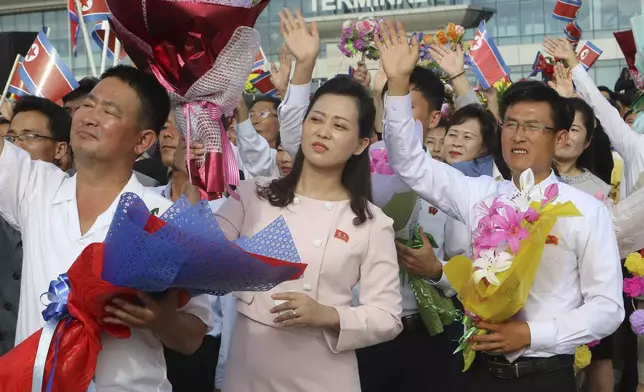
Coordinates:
566	10
44	72
573	32
260	60
485	59
74	28
16	85
588	54
352	71
94	10
98	35
263	84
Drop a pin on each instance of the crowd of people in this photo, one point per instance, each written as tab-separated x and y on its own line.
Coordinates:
351	323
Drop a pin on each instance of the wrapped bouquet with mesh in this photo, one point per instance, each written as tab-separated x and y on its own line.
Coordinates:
202	51
183	249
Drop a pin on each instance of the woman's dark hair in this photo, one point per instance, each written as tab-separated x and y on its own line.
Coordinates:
597	158
487	122
356	176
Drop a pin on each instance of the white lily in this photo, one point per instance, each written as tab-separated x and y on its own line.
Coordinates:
490	264
528	193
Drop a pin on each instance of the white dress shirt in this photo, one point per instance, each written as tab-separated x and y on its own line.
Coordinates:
40	200
629	144
577	292
291	114
257	157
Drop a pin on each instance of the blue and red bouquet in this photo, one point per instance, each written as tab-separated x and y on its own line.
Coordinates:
184	249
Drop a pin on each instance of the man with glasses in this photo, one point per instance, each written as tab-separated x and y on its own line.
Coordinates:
41	128
257	132
576	295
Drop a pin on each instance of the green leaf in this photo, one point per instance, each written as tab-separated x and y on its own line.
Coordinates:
155	212
400	208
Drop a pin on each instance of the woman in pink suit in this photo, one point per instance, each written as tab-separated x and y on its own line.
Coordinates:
301	335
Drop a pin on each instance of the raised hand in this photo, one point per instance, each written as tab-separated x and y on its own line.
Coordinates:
397	56
560	48
280	75
450	61
302	41
562	81
362	75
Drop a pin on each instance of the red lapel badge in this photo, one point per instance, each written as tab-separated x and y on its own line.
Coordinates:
339	234
552	239
433	210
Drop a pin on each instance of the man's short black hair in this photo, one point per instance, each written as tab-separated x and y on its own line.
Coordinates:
428	84
265	98
605	89
60	122
85	86
536	91
154	99
4	121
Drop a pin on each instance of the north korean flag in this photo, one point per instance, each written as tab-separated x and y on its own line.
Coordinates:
74	28
573	32
588	54
352	71
485	59
566	10
16	85
44	72
263	84
94	10
260	60
99	37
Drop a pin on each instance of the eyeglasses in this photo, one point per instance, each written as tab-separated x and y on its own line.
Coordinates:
528	127
264	114
26	137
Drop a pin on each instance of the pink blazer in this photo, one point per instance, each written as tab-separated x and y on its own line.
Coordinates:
338	254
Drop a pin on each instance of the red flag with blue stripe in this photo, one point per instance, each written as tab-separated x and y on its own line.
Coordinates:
74	28
98	35
566	10
94	10
263	84
260	60
16	85
485	59
588	54
352	71
573	32
45	73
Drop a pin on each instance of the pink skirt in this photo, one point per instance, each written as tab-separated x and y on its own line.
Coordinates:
267	359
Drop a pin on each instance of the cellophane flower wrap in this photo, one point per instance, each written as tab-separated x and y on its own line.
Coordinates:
357	37
184	249
402	205
202	51
507	245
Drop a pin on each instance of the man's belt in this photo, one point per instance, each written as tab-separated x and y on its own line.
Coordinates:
499	367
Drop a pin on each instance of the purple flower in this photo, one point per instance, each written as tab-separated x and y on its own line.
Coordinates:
637	322
359	44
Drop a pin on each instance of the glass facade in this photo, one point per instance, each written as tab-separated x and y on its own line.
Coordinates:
516	22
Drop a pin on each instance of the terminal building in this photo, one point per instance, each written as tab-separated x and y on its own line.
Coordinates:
517	26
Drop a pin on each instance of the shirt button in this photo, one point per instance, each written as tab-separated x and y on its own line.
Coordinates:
328	206
16	276
296	200
307	287
7	306
317	243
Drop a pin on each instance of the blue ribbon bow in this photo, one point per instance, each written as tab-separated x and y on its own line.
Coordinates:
57	295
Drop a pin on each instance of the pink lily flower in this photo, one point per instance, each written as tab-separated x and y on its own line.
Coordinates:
510	228
380	162
551	193
531	215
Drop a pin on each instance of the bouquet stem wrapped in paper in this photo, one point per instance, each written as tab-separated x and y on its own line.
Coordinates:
508	244
183	249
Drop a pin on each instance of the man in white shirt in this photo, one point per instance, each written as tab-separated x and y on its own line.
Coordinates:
576	296
60	215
